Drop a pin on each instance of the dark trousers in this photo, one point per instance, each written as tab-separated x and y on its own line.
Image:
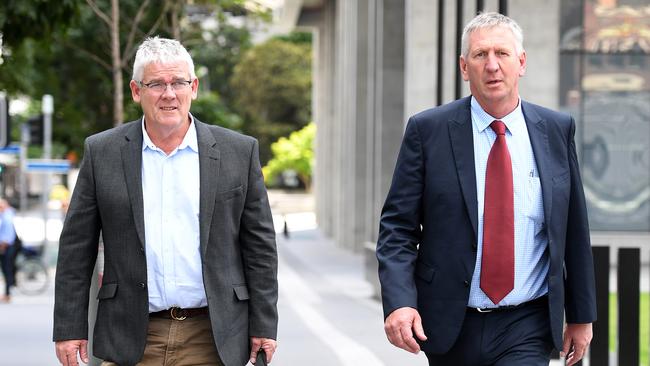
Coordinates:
7	261
514	337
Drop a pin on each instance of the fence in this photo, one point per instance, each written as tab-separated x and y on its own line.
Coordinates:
628	296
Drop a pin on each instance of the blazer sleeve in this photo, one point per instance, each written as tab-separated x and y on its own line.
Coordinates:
77	255
580	289
257	238
399	226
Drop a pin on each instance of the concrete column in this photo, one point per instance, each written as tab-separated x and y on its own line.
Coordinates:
345	124
389	93
386	114
541	84
323	113
450	57
421	52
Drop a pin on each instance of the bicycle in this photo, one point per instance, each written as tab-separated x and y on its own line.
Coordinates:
31	274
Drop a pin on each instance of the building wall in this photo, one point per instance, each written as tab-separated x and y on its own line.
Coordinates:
379	61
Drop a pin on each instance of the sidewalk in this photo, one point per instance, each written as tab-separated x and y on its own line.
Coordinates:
329	315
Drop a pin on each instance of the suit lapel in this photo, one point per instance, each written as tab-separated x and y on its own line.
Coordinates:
462	143
132	164
539	140
209	171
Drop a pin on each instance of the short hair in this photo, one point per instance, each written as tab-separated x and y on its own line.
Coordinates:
491	20
160	50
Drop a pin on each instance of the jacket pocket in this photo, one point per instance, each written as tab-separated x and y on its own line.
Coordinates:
241	292
107	291
226	195
561	178
424	272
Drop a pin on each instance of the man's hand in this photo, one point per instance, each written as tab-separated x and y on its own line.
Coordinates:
576	340
400	326
66	351
267	344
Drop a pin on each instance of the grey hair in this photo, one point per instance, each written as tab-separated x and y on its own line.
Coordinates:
160	50
491	20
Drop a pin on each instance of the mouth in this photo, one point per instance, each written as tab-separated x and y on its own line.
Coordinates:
168	109
493	82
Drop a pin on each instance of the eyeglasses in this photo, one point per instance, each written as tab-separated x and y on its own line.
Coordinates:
159	87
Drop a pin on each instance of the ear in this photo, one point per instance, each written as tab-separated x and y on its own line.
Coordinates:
195	88
463	68
135	91
522	63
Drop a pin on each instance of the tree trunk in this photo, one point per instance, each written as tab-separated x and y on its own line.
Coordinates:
118	93
175	23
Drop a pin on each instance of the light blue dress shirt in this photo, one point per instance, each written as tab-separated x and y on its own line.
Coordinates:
170	187
7	229
531	242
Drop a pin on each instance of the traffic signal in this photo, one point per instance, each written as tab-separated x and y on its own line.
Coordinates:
36	133
5	122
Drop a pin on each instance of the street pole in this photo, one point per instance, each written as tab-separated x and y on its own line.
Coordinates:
48	109
24	142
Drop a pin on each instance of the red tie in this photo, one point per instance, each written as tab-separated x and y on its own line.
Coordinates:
498	262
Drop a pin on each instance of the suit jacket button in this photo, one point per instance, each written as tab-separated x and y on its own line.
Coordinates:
142	285
474	246
466	283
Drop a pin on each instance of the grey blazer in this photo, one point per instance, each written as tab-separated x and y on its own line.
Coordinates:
237	243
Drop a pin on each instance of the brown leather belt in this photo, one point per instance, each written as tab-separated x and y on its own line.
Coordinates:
538	301
177	313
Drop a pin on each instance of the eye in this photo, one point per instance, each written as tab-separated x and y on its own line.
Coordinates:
155	85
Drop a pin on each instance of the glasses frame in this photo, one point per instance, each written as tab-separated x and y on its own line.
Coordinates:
184	84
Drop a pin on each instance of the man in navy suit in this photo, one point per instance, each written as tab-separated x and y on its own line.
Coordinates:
484	244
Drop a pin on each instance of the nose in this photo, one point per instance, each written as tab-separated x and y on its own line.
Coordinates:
492	64
169	91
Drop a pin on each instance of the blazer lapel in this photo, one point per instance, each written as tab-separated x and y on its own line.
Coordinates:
539	140
209	171
462	143
132	164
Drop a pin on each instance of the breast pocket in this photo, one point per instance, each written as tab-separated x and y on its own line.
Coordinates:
534	204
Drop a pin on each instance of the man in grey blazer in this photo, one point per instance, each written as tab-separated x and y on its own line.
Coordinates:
190	273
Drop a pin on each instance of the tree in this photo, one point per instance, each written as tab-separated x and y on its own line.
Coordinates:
272	90
75	60
295	153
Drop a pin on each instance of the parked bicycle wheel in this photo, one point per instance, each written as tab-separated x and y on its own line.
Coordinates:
31	277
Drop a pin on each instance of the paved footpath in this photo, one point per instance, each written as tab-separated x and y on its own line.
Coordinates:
328	313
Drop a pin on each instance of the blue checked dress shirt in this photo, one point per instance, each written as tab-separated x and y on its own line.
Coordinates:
531	256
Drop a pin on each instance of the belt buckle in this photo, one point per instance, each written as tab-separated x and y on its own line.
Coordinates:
486	310
172	312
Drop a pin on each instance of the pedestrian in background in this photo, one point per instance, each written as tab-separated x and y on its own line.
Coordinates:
190	261
484	244
8	248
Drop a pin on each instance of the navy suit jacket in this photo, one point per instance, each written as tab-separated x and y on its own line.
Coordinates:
428	231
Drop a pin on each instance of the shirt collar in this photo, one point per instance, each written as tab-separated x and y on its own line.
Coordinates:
190	140
483	119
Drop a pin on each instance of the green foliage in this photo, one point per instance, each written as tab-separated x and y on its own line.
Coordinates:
296	37
294	153
209	108
272	88
20	19
62	48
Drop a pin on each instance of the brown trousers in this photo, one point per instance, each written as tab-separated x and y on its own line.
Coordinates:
179	343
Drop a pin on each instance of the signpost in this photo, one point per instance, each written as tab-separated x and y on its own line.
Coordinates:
48	166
